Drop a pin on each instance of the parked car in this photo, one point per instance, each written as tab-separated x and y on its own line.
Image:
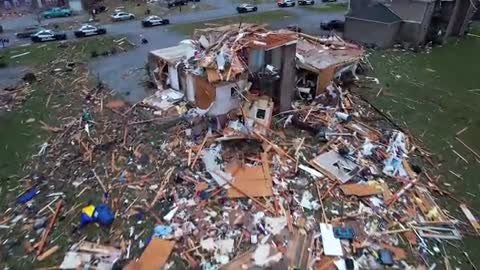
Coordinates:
89	30
244	8
48	35
286	3
154	21
122	16
27	32
176	3
306	2
333	25
57	12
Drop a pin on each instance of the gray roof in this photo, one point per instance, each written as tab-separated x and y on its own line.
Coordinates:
410	10
377	12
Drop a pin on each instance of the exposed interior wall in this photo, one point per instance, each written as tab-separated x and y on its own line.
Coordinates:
325	78
225	99
307	83
204	92
173	77
287	81
260	114
190	91
256	60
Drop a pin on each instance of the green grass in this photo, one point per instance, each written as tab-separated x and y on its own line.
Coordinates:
435	95
42	53
19	140
258	18
330	7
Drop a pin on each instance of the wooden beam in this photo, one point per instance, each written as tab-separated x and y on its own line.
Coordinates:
47	231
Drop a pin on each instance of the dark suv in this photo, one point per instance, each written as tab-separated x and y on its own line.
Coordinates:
175	3
337	25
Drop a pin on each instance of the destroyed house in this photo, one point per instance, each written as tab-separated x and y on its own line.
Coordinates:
215	67
221	67
320	61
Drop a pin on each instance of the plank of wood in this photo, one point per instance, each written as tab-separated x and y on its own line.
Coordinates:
471	218
48	253
468	147
199	151
43	240
99	181
360	190
156	254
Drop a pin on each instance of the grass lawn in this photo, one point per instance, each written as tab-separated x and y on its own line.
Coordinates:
329	7
56	98
78	49
259	18
435	95
18	139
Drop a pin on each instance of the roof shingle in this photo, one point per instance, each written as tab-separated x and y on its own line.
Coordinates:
377	12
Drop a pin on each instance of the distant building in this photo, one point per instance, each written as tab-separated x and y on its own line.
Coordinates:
415	22
9	5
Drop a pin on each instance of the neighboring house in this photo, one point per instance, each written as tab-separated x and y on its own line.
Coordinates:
372	24
412	21
32	4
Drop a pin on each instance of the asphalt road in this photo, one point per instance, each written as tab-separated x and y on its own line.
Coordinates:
125	72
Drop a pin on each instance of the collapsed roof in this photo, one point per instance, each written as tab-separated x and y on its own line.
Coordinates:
319	54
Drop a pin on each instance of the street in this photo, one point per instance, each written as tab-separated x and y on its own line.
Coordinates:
127	79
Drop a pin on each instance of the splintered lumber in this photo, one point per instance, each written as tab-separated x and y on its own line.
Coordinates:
48	253
199	151
276	147
99	181
461	131
162	186
471	218
45	234
401	192
468	147
360	190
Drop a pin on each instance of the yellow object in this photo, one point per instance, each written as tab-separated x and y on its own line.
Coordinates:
88	210
433	214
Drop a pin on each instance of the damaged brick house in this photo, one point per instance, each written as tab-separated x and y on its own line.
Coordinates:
416	22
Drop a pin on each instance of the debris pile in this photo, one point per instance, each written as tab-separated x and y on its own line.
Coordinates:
14	96
324	184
